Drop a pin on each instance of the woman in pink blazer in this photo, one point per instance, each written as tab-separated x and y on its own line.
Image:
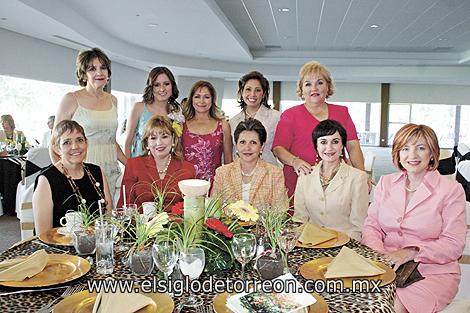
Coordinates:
419	215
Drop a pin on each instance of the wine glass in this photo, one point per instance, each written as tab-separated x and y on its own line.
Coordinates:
165	255
123	216
192	261
244	249
287	241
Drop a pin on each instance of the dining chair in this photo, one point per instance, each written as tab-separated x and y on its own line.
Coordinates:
27	220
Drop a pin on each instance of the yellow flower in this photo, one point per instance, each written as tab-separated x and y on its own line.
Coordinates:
155	225
243	211
177	128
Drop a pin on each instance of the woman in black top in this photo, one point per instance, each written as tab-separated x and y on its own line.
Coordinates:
64	185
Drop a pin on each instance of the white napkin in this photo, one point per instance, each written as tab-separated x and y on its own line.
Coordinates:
120	302
20	268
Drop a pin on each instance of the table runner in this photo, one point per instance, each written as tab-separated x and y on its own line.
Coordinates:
354	303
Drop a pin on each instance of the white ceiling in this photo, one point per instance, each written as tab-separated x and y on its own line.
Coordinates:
421	41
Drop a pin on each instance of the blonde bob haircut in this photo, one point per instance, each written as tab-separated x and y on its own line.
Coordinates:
314	67
63	127
164	124
410	133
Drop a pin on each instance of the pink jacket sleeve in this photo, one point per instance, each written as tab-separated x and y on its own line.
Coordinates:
372	234
449	246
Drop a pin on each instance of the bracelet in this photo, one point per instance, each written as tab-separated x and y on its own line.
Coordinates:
293	159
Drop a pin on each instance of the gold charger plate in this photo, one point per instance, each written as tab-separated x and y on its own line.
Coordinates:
219	304
60	268
316	270
82	302
52	237
340	240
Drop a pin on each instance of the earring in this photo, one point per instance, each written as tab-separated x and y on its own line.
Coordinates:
260	153
317	159
236	152
173	148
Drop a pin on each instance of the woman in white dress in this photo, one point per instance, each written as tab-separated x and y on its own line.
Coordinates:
96	111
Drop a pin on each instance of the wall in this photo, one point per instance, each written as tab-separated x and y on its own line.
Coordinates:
185	83
31	58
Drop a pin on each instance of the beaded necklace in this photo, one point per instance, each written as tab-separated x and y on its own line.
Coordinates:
74	186
163	171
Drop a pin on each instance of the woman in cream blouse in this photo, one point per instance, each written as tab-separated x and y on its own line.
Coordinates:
334	194
249	178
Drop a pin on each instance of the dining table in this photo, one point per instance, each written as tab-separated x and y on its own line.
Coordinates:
354	302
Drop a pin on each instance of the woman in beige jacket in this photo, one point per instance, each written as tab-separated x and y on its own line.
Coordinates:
334	194
249	178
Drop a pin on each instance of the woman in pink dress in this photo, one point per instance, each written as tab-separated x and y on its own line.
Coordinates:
206	135
419	215
293	144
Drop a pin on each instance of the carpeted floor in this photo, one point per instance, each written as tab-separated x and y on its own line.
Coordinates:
9	231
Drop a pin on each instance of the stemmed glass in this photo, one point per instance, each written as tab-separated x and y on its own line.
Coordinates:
288	239
244	249
165	255
123	217
192	261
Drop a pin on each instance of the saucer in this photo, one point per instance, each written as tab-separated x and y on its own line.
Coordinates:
64	231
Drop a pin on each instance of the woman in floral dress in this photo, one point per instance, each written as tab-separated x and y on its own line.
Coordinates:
206	135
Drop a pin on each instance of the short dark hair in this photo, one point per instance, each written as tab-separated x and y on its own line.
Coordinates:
148	91
84	58
251	124
264	85
328	128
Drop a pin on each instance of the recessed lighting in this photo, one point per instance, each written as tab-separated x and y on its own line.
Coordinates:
442	39
137	15
283	10
152	25
3	19
374	26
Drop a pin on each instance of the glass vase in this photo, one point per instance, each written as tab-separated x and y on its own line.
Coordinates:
141	261
84	241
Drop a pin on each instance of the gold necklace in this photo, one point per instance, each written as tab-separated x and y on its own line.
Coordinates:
75	188
248	115
166	167
250	173
325	181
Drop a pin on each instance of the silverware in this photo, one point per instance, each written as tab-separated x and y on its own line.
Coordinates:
50	247
30	290
68	292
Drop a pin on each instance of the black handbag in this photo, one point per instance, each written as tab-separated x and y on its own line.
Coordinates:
407	274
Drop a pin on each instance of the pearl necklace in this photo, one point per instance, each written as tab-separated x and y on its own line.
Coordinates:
410	190
248	115
166	167
250	173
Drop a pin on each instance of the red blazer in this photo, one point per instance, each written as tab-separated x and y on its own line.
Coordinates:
141	179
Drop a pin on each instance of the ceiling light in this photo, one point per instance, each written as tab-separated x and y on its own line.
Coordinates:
152	25
3	19
374	26
283	10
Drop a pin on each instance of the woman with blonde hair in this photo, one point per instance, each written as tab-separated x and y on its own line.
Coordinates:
206	135
418	215
292	142
96	111
160	168
69	182
159	98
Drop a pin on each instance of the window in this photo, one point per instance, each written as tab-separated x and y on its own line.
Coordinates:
19	97
440	117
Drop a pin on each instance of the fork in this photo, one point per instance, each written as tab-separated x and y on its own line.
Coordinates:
68	292
204	309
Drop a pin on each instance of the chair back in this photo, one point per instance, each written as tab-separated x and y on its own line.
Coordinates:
26	220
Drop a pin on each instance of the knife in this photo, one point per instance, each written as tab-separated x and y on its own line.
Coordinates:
30	290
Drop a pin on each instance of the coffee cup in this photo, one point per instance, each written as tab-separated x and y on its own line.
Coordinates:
72	221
